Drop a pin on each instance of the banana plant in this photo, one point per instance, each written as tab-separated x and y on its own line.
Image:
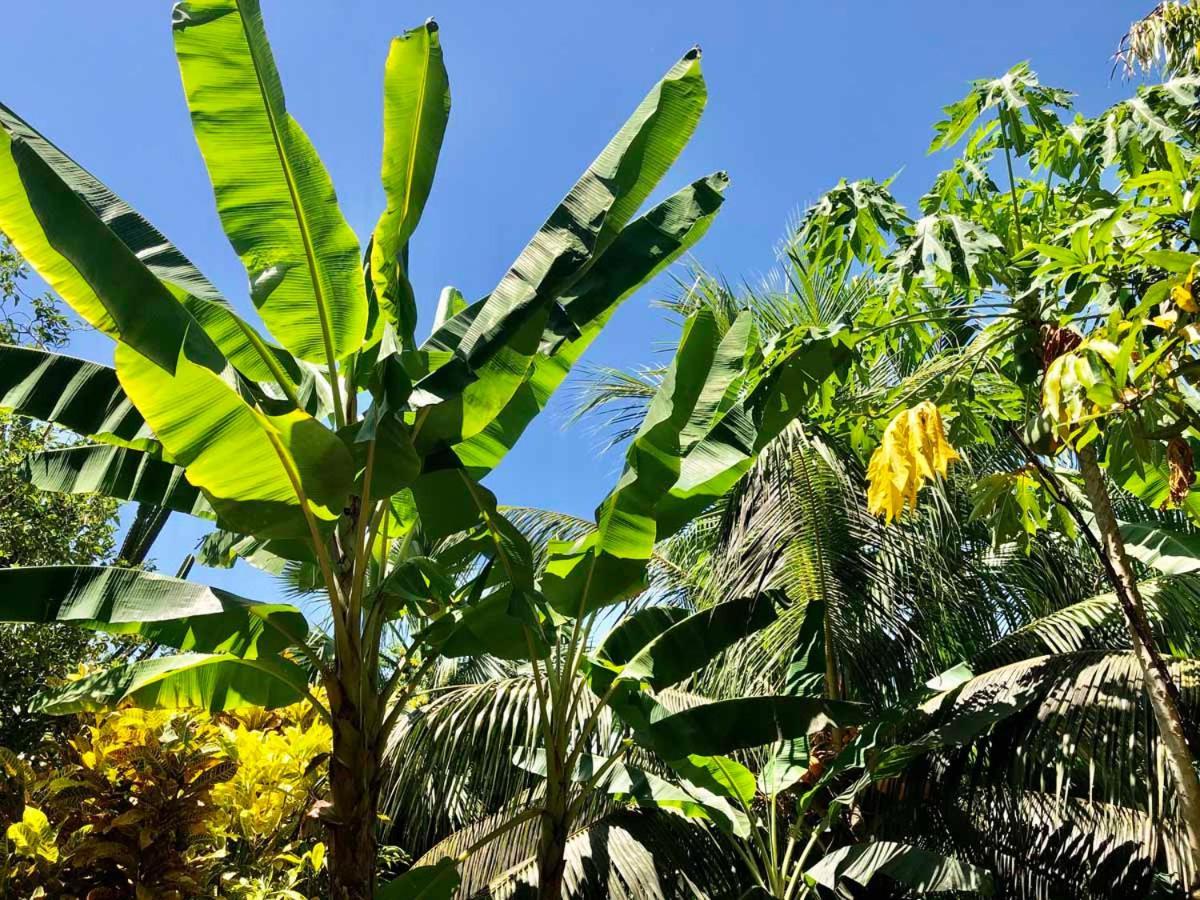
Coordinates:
724	397
334	441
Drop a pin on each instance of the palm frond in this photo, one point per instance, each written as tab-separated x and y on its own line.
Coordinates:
613	401
460	748
902	602
1069	795
1096	623
637	855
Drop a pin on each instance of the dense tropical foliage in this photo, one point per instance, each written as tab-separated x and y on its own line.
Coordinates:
170	804
894	594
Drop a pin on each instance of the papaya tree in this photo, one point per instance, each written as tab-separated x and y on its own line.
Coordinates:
334	442
1043	304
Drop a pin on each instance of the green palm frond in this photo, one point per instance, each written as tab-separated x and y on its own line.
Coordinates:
613	401
1073	784
614	851
902	602
460	748
1096	623
637	855
540	526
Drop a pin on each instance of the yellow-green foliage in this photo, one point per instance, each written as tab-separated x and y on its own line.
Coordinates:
168	805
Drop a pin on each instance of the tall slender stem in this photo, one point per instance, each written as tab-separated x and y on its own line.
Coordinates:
1161	690
1012	182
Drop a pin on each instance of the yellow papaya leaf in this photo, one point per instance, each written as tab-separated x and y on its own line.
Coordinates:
1184	294
914	450
1166	321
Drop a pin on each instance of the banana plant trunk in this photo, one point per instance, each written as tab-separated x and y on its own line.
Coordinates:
555	826
354	787
1161	690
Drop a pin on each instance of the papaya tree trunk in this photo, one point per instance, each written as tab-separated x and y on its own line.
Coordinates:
1160	688
354	787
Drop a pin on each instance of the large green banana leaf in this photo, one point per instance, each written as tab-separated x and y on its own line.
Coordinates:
527	373
275	199
73	248
689	645
112	266
727	725
82	396
635	631
221	549
510	622
505	624
715	410
123	473
806	675
438	881
1171	551
642	250
258	471
866	870
467	411
215	682
168	611
416	106
579	231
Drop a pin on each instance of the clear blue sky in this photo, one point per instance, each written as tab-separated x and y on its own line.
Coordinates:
800	94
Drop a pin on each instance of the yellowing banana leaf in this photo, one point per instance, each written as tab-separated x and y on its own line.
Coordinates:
416	105
123	473
255	469
165	610
276	201
215	682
